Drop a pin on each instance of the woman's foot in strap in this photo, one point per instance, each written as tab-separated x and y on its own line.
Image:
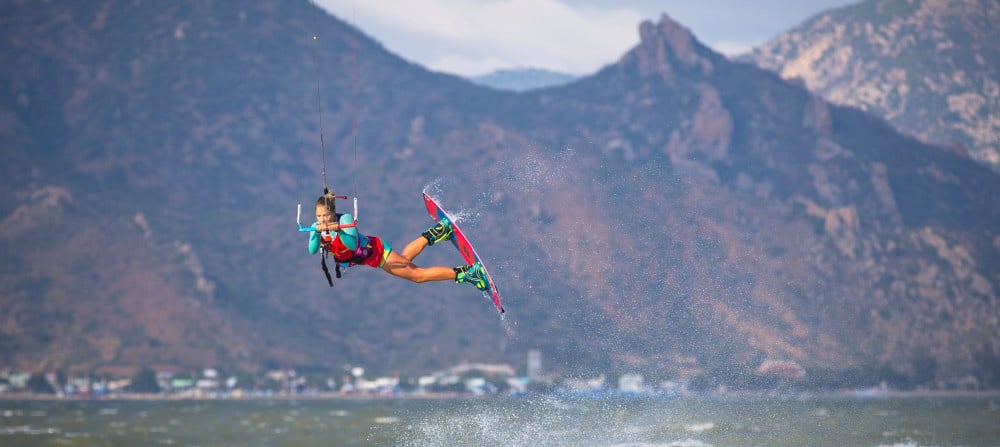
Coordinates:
441	231
474	274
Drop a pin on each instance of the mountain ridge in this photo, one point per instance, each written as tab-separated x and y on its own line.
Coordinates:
522	79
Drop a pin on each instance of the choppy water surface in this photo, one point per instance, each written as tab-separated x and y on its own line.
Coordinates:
537	421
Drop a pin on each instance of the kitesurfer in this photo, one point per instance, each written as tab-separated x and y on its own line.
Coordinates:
348	246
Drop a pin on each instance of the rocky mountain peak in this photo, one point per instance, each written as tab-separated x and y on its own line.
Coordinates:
928	67
666	46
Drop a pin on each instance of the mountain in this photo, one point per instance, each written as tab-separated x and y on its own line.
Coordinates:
930	68
522	79
675	213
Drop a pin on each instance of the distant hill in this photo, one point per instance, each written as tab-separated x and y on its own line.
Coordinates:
674	214
931	68
522	79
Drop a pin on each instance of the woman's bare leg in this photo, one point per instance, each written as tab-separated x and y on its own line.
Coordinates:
398	265
413	249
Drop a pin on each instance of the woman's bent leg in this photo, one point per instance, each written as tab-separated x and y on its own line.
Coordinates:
413	249
398	265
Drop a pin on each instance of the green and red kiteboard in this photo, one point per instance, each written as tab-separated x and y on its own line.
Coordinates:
464	246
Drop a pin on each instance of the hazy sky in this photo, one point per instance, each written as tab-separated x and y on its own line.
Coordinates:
473	37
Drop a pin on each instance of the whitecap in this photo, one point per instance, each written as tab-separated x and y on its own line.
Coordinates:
29	430
904	443
82	434
684	443
699	427
687	443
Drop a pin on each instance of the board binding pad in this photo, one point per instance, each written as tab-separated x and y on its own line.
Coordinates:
465	248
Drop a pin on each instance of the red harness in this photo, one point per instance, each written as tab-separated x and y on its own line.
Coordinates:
369	254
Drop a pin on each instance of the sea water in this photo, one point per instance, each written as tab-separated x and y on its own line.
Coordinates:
527	421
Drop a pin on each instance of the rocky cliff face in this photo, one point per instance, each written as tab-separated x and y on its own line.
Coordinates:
675	213
929	67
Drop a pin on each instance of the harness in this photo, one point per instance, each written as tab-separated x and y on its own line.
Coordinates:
357	256
334	246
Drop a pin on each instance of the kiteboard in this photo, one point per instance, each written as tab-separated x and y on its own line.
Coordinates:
464	246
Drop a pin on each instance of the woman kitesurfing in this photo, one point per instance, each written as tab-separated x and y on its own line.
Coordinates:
337	234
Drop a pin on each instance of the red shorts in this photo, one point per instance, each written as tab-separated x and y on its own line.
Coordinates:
379	254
